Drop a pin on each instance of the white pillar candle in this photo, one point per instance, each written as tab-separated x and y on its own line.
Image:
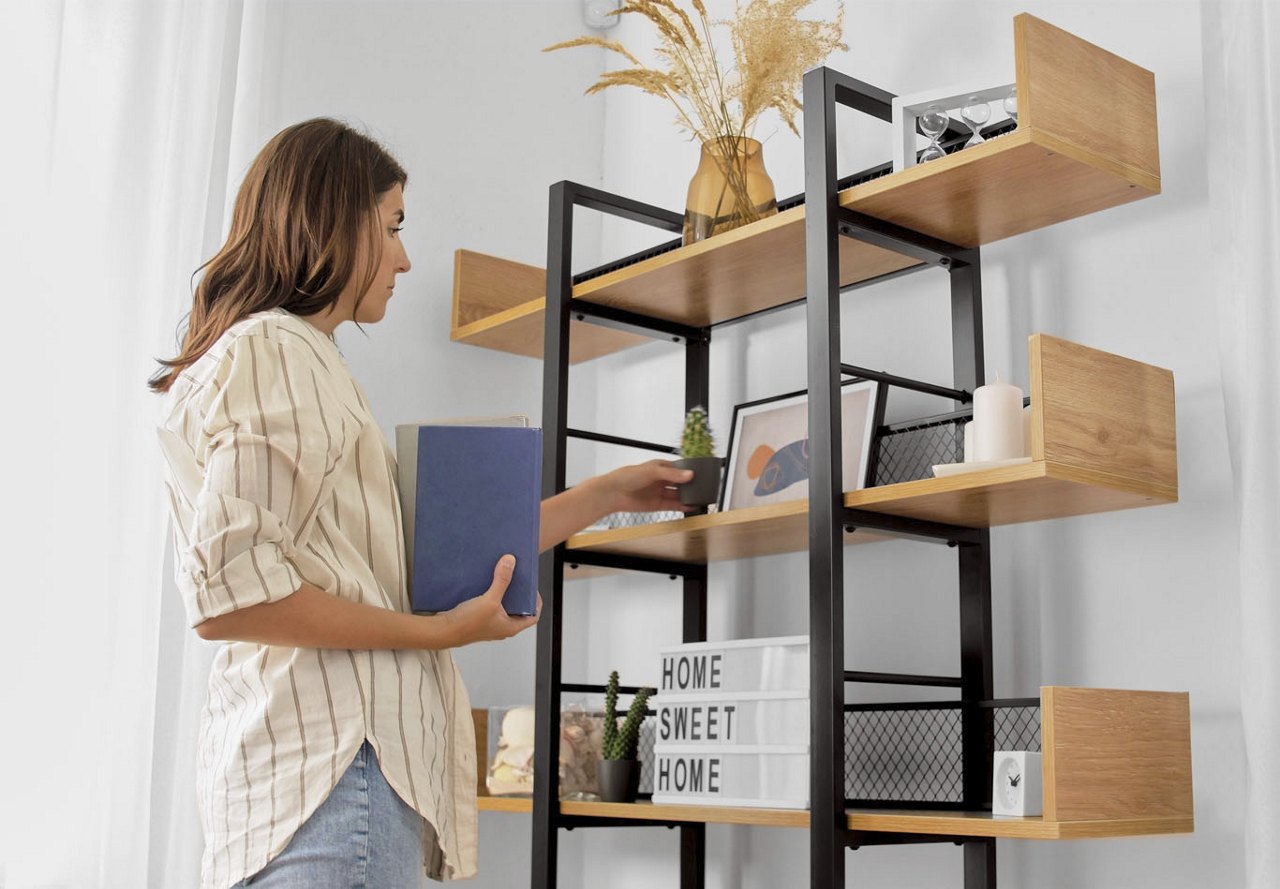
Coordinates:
998	430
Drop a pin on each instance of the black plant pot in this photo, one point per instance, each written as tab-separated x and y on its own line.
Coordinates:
704	488
618	779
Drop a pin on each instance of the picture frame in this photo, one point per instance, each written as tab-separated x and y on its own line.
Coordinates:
768	445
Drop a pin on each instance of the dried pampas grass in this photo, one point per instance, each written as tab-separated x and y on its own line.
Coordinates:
772	48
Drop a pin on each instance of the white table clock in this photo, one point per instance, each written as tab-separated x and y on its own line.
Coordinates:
1018	786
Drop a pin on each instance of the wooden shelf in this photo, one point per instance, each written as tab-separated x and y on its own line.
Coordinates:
1115	763
938	821
1086	141
1031	492
1103	438
504	804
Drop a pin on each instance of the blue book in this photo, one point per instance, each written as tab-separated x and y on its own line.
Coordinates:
470	495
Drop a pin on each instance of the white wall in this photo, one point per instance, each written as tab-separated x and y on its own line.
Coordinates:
1140	599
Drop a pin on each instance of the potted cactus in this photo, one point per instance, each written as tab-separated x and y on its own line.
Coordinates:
697	448
619	770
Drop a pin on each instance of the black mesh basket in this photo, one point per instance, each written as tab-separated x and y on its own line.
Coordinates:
908	451
912	753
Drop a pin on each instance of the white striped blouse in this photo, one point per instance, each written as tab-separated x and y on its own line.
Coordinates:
277	473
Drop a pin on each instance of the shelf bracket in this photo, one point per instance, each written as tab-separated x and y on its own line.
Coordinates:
634	322
879	233
596	559
856	839
917	529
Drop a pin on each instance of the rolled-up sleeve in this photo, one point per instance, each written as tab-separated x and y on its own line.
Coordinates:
271	439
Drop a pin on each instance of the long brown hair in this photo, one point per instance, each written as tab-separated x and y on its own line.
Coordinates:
309	200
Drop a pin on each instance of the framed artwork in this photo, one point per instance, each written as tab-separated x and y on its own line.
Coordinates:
769	445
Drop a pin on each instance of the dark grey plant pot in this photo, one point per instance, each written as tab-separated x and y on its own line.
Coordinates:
704	489
618	779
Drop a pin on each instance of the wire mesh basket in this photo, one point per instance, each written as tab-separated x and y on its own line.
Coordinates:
908	451
914	753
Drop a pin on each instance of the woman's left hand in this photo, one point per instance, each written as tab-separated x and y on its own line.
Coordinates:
646	487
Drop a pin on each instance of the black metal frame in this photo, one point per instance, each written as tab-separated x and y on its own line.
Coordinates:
829	519
825	223
547	820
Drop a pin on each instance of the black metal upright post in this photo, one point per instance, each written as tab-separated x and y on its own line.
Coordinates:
697	393
827	825
555	389
547	819
976	679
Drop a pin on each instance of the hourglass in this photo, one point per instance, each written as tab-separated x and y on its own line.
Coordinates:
975	113
1011	105
933	123
931	113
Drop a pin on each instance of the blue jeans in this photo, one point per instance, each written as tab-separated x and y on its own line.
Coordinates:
363	835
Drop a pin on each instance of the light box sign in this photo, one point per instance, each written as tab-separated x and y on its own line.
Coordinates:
744	665
733	718
765	776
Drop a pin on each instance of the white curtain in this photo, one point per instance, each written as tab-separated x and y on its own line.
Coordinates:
1242	94
126	123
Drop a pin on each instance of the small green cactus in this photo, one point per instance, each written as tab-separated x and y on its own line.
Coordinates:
696	440
621	743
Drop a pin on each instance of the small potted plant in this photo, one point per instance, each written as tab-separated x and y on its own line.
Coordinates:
618	771
697	448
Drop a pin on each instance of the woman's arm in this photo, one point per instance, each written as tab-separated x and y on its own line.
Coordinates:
644	487
312	618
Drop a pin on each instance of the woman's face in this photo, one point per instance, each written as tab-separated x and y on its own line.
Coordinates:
373	307
394	261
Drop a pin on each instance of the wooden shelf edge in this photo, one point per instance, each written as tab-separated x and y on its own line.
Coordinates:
517	804
881	499
934	169
490	322
974	824
965	824
963	500
1131	174
687	525
646	811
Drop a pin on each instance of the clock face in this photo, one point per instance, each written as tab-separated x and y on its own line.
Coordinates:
1009	782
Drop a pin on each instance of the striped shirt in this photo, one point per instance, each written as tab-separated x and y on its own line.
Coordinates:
278	474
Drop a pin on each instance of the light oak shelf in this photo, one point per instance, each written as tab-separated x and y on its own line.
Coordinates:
903	821
938	821
1115	763
1085	142
1103	438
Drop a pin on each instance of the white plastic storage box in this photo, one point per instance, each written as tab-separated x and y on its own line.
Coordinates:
733	718
762	776
780	663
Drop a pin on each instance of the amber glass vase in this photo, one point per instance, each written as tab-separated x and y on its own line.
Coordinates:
729	189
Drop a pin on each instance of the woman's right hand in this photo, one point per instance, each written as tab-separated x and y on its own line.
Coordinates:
483	618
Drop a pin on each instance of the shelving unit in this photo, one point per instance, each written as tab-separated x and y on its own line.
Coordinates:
1102	439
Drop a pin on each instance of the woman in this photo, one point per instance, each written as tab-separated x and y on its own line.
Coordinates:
336	744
